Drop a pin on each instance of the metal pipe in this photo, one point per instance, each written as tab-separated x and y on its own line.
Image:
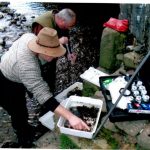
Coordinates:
68	48
128	84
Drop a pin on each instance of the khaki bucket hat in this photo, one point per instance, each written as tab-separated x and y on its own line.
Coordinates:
47	43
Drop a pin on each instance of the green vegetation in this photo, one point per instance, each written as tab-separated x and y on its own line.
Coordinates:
89	89
67	143
107	134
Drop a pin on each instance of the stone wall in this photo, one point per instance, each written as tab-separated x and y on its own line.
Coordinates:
139	21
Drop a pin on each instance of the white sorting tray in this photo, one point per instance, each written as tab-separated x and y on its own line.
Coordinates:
61	97
75	101
92	75
47	120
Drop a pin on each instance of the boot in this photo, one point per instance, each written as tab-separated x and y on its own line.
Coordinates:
26	136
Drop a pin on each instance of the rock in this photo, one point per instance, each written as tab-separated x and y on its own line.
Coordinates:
11	13
144	138
119	57
112	43
32	16
49	140
1	50
99	95
101	144
97	143
8	43
5	9
23	18
138	48
110	126
4	4
131	59
18	23
16	18
1	15
1	41
129	47
131	127
13	21
2	28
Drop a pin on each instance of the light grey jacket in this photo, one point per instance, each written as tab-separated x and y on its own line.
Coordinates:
21	65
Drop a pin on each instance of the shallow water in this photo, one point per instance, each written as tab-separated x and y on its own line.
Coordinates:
12	31
28	8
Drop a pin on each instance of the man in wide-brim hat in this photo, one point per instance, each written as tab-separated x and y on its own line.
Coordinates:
20	70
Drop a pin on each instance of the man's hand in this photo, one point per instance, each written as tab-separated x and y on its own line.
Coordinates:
72	57
63	40
74	121
77	123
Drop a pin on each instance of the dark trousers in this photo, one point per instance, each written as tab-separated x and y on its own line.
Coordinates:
12	99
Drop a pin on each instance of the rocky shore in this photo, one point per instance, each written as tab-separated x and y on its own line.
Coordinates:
85	41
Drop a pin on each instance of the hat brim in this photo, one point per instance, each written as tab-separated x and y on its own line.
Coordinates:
55	52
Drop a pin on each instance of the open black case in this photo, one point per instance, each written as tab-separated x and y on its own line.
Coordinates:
123	115
115	114
119	114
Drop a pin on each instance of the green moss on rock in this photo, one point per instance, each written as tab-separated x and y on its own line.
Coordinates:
67	143
89	89
112	43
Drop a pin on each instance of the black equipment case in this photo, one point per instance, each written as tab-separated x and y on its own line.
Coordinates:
120	114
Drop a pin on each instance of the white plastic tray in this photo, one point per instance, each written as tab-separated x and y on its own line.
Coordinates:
47	120
63	95
92	75
77	100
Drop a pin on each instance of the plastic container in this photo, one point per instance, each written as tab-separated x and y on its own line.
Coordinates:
61	97
92	75
118	114
47	120
78	101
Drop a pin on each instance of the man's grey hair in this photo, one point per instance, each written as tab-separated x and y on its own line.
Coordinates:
67	15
